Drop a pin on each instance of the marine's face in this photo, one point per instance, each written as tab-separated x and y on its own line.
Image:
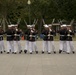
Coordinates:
68	28
30	28
50	27
62	28
46	28
15	27
9	27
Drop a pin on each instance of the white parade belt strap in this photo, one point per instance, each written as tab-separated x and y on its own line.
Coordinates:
50	35
1	35
69	35
62	35
9	35
32	36
17	35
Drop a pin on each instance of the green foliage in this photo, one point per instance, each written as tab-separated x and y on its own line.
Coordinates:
47	9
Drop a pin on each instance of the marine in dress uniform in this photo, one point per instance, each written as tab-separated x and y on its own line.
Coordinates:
47	39
63	34
9	33
2	48
32	39
27	39
17	44
69	40
36	37
52	33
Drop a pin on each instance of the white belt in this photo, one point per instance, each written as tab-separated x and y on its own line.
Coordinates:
47	35
32	36
17	35
9	35
69	35
1	35
50	35
62	35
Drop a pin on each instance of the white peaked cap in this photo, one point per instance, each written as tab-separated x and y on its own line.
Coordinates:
50	25
69	25
16	25
46	26
9	26
33	25
28	25
12	25
64	25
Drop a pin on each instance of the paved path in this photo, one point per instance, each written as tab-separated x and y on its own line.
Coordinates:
38	64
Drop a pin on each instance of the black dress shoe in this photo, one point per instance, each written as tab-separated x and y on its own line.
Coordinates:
1	52
68	53
42	52
36	52
73	52
20	52
25	51
54	52
49	53
60	51
15	53
64	51
7	52
30	52
4	51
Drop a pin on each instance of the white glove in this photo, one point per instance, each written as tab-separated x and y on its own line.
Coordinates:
48	34
15	34
70	31
16	29
30	35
